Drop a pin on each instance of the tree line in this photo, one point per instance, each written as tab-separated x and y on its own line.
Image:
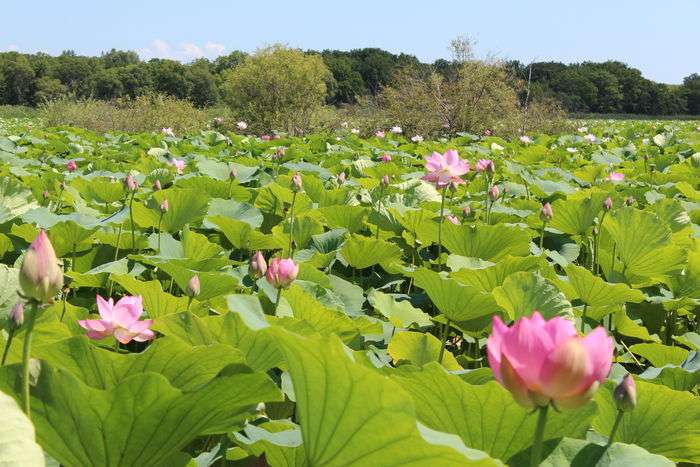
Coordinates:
608	87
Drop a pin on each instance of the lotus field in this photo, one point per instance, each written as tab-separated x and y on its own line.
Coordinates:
391	300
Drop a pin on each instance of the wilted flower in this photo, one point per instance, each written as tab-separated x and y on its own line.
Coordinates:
466	211
179	165
385	157
615	176
630	200
157	186
340	178
40	276
242	125
164	206
542	362
281	272
71	166
608	203
168	132
397	130
120	320
546	213
379	134
444	169
17	314
355	131
625	394
417	138
131	183
194	286
385	181
296	184
485	165
494	193
525	139
257	265
280	151
452	218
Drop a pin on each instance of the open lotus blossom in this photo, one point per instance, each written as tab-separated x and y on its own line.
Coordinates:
452	218
446	168
71	166
397	130
525	139
242	125
120	320
542	362
417	138
281	272
385	157
590	138
615	176
168	132
485	165
343	124
355	131
179	165
379	134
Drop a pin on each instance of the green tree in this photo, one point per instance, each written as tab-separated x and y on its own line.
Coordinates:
691	85
17	86
48	89
169	77
348	82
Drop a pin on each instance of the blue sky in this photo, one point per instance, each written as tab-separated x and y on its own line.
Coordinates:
658	37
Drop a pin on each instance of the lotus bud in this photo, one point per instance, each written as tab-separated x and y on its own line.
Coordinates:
194	286
257	267
453	219
385	181
494	193
281	272
546	213
71	166
608	203
695	160
40	276
341	178
466	211
265	137
630	200
157	186
131	183
233	173
17	314
164	206
45	194
488	132
625	394
296	184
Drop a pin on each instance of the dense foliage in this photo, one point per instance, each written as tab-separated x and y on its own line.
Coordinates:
370	347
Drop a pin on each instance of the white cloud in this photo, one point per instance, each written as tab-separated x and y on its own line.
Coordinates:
184	52
10	48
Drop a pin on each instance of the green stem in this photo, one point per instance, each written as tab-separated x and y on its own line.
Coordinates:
65	297
544	225
583	316
612	261
131	220
189	303
7	346
616	425
291	224
670	324
379	207
536	450
160	219
119	239
230	184
442	220
445	335
277	300
596	244
30	317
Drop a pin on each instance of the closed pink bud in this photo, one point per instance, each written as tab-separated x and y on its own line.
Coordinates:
466	211
233	173
385	158
296	184
341	178
452	218
281	272
546	213
608	203
164	206
257	267
385	181
40	276
194	287
542	362
131	183
157	186
45	194
265	137
17	314
494	193
625	394
71	166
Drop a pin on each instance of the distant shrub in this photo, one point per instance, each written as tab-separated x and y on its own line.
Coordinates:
17	111
277	88
144	113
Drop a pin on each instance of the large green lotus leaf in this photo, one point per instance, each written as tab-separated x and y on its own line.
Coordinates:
17	445
419	348
687	283
371	418
279	441
101	190
15	199
186	367
143	420
305	227
627	327
222	171
400	314
242	235
523	293
329	242
273	198
659	354
664	422
318	193
351	218
642	243
489	242
362	252
9	285
683	377
156	302
489	278
594	291
458	302
484	416
67	236
185	207
240	211
222	189
212	284
581	453
574	215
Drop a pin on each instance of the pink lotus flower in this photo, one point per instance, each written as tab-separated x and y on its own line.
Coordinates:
625	394
385	158
384	181
16	315
281	272
615	177
164	206
40	276
590	137
417	138
71	166
120	320
130	183
242	125
488	132
157	186
452	218
485	165
179	165
297	184
494	193
525	139
444	169
546	213
379	134
194	286
542	362
355	131
397	130
608	203
265	137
